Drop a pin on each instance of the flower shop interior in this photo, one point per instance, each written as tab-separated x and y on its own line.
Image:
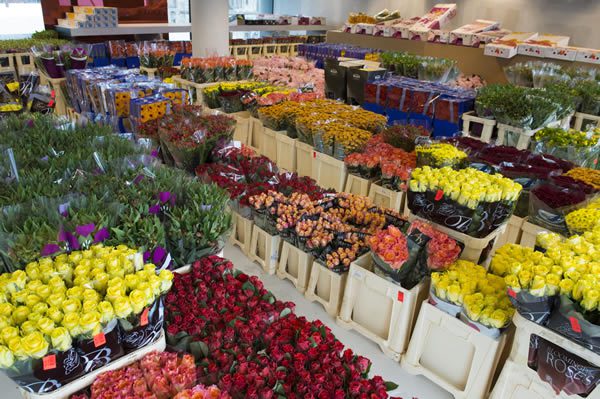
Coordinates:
271	199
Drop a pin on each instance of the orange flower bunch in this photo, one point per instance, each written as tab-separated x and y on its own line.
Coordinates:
391	246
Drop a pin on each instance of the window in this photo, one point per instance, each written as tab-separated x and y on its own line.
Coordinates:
20	18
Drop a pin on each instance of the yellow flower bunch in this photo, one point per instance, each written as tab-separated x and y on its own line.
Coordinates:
584	219
482	295
586	175
439	155
52	301
349	137
467	186
569	267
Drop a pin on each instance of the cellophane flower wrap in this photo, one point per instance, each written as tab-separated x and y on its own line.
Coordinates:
60	316
468	201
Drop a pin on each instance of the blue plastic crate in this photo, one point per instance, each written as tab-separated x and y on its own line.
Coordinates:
99	62
132	62
179	57
378	109
442	128
120	62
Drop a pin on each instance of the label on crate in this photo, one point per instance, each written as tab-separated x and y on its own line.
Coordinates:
575	324
144	317
49	362
99	340
563	370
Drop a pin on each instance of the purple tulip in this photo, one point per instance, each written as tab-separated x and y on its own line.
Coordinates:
85	230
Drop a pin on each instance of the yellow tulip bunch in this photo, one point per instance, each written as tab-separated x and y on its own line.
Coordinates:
467	186
482	295
52	301
569	267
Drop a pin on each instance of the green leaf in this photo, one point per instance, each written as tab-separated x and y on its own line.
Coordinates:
199	349
278	388
390	386
285	312
249	286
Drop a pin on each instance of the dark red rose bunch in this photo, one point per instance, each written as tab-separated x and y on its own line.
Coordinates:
253	346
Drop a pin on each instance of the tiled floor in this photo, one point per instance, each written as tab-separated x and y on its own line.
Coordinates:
409	386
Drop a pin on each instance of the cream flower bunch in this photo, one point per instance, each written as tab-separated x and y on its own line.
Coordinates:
53	301
467	186
569	267
481	295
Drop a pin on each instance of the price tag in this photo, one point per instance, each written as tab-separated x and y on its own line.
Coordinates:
512	293
400	296
314	154
49	362
144	317
357	274
439	195
99	340
575	324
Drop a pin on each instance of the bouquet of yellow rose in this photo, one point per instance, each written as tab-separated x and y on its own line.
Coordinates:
62	317
478	296
466	200
559	288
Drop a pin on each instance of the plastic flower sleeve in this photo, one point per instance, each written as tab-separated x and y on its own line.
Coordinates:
588	332
99	349
143	328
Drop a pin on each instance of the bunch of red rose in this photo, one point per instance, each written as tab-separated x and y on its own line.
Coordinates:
253	346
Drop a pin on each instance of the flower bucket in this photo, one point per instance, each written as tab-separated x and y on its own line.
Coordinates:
51	67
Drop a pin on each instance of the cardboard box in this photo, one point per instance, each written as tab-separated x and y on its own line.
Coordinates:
561	53
347	28
507	47
465	35
400	30
356	79
591	56
437	17
363	29
379	29
537	47
489	36
438	36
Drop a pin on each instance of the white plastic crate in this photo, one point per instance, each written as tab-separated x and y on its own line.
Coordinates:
488	126
529	232
242	232
326	287
269	144
380	309
151	72
87	380
386	198
474	247
518	382
295	265
243	126
330	172
255	137
357	185
286	152
306	160
525	328
580	118
264	249
452	354
524	136
7	64
513	232
25	63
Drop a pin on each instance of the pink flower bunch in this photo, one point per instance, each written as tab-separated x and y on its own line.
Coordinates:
469	81
167	373
253	346
442	250
156	376
293	72
202	392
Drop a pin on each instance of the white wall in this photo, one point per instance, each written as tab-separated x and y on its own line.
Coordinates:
336	11
576	18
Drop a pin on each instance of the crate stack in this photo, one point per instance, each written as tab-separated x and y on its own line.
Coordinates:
90	18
